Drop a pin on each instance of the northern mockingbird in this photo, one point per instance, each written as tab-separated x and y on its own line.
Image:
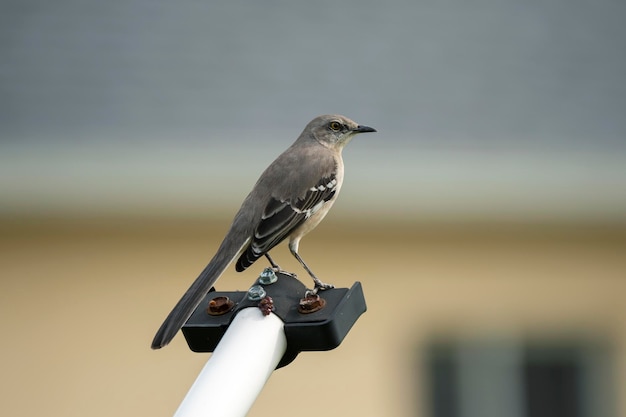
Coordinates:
289	199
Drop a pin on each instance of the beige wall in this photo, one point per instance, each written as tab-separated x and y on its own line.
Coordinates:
80	301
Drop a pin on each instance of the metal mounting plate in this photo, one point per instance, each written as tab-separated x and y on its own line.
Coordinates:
321	330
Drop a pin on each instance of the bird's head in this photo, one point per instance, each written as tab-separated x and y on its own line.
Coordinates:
335	131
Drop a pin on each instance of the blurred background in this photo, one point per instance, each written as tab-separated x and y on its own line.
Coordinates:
486	219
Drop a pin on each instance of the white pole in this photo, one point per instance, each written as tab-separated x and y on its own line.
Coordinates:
238	368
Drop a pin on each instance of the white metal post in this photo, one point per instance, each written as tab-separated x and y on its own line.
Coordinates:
238	368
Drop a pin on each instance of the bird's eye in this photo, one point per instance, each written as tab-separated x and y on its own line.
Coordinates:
335	126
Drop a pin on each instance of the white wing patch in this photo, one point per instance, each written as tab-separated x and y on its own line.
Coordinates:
329	187
280	217
322	187
309	212
315	208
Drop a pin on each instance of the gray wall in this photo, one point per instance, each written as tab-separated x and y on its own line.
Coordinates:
512	109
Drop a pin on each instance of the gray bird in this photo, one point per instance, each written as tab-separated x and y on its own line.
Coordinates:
289	199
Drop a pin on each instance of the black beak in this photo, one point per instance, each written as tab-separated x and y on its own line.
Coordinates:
364	129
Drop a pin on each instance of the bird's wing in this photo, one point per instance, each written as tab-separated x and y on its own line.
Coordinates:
282	216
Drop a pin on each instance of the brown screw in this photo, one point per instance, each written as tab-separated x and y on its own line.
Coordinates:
311	303
266	305
220	305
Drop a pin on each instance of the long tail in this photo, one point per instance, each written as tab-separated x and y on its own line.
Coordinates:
227	252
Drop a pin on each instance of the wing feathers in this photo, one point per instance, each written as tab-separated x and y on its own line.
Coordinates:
281	217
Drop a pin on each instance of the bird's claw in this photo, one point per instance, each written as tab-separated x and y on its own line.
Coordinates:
279	270
319	285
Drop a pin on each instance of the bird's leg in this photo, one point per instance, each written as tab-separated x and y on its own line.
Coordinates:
277	268
271	261
319	285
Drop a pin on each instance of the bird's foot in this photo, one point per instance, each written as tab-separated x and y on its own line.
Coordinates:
278	270
319	285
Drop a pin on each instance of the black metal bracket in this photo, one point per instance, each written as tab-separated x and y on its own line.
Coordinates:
323	329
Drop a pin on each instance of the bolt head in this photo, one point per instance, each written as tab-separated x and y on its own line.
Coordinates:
310	304
256	292
266	305
220	305
268	276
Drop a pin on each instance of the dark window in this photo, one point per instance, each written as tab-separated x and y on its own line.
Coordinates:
443	375
551	381
535	380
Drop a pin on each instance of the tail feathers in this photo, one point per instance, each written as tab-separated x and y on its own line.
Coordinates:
192	298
